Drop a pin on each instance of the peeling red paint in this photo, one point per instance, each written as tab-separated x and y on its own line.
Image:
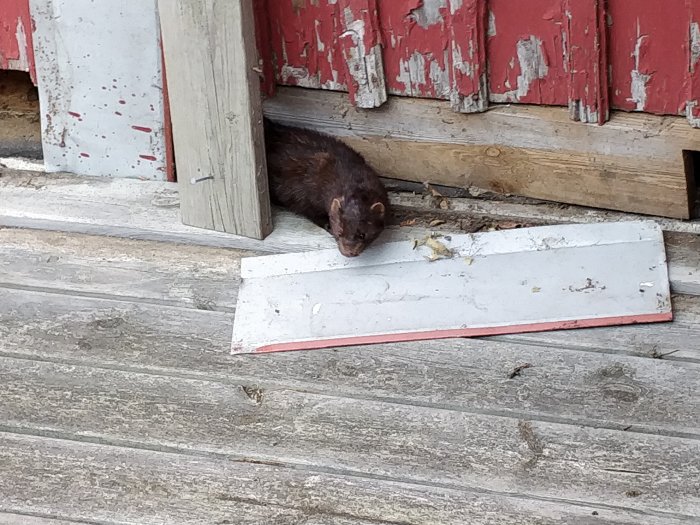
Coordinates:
74	114
587	60
148	157
649	44
526	54
85	155
122	101
117	113
16	43
142	128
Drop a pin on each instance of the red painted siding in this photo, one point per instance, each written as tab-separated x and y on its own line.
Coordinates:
649	55
589	55
16	36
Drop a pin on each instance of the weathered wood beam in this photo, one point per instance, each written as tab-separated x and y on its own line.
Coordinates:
214	90
634	163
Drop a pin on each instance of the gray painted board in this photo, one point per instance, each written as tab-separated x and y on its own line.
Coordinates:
528	279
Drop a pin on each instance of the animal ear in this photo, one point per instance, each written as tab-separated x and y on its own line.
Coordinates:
336	206
378	208
334	216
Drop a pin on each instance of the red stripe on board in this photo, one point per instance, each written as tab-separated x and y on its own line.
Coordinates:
466	332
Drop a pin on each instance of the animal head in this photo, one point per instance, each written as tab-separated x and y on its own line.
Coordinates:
355	222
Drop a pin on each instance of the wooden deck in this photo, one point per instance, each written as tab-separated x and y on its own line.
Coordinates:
120	403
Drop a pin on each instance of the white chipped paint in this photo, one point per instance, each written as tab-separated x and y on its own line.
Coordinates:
579	111
366	66
694	45
440	77
455	5
533	66
473	103
638	90
412	73
21	63
429	13
99	74
299	76
492	24
690	113
320	46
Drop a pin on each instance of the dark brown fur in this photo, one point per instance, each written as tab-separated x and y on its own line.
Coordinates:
324	180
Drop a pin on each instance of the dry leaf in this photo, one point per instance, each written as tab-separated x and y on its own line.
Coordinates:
436	222
536	289
440	251
469	260
444	204
408	222
433	192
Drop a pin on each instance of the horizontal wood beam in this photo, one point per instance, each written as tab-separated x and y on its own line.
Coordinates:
633	163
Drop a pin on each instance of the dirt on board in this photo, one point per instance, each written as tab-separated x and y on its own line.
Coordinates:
20	126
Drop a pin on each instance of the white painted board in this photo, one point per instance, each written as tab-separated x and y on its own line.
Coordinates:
100	83
521	280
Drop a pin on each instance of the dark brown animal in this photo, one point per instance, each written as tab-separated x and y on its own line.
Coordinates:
324	180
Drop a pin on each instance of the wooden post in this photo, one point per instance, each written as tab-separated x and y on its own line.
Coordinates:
214	90
586	58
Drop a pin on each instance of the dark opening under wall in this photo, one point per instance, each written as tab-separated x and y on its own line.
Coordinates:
20	126
692	171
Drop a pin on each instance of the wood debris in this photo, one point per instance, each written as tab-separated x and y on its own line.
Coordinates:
438	248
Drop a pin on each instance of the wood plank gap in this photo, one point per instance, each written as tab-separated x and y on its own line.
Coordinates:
256	383
112	297
9	516
342	473
211	491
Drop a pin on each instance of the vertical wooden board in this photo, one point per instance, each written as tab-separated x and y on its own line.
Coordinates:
468	21
649	55
16	45
693	56
217	116
587	60
330	45
99	74
526	50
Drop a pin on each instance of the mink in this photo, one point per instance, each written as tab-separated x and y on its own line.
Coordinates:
320	178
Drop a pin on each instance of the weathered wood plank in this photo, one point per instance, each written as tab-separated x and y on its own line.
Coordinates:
598	389
192	276
24	519
214	90
362	438
141	486
634	163
320	433
141	210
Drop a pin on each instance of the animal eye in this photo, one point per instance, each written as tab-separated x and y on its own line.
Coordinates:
360	236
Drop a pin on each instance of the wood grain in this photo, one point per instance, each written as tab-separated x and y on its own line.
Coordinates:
120	269
210	55
142	486
320	433
634	163
611	390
